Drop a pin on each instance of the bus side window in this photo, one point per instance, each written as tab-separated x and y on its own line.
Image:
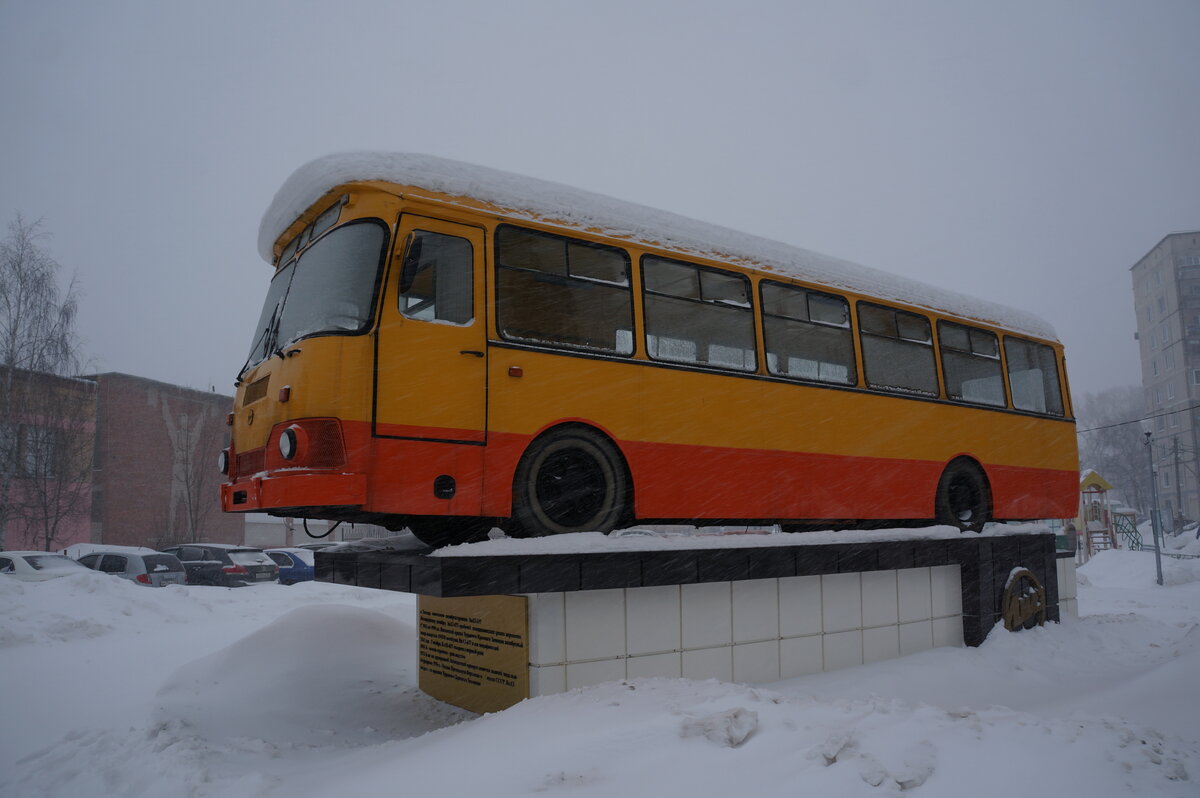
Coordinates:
807	334
897	349
558	291
436	278
1033	376
697	315
971	364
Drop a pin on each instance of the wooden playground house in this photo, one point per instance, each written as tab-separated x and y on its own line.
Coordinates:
1102	525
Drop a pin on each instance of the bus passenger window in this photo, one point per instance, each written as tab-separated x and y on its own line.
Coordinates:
897	349
971	364
697	315
436	278
559	291
807	334
1033	377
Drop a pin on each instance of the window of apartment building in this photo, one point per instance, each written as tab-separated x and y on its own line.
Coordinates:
1158	396
1170	360
1170	391
1160	424
1154	367
1162	305
1174	420
1195	376
1166	478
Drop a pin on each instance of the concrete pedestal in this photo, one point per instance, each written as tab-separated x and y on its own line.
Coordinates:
497	629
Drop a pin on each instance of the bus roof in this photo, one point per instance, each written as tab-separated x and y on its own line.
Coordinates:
555	203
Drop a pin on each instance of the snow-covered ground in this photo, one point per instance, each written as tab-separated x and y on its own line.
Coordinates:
108	688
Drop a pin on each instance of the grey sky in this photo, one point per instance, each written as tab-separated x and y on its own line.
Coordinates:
1025	152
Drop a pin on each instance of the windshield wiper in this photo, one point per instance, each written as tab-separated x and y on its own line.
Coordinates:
266	337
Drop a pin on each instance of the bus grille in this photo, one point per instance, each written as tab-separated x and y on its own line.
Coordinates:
325	445
251	462
256	390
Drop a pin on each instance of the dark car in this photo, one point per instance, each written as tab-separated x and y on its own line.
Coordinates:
141	566
224	564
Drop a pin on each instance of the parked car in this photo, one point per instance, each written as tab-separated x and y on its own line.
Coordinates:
295	565
37	566
138	565
224	564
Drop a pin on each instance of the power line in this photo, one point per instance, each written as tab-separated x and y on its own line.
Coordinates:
1139	420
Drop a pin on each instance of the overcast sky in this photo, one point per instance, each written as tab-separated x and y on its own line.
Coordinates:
1028	152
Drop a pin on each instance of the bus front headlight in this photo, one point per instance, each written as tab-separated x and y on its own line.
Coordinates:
288	443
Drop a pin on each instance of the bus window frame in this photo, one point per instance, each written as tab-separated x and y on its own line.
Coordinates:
858	379
1000	361
939	392
700	267
1059	372
567	279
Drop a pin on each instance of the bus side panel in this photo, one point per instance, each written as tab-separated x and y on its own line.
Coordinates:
1033	492
404	472
677	481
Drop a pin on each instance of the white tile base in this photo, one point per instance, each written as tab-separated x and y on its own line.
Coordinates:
753	632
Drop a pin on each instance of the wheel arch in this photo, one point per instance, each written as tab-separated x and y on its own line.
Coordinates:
591	428
960	463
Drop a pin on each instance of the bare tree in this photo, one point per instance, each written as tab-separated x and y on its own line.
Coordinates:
1111	442
197	435
37	338
50	495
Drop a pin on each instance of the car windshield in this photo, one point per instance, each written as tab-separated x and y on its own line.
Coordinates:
330	289
52	562
249	557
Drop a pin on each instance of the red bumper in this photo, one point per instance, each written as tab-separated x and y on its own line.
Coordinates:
266	492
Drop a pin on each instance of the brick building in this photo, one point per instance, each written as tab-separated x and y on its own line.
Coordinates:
156	480
47	433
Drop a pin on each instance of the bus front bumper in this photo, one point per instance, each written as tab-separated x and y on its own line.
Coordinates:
266	492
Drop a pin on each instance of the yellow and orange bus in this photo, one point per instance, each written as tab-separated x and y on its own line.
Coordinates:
449	348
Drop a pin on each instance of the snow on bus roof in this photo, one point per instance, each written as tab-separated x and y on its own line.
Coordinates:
545	201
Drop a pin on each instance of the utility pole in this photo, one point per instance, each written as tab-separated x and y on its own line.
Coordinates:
1178	488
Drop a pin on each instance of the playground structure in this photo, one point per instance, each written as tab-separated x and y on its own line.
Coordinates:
1102	525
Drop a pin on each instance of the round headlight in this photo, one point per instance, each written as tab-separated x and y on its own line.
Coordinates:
287	444
223	461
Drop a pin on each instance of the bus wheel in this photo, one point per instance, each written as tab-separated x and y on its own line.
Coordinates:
570	480
963	497
447	530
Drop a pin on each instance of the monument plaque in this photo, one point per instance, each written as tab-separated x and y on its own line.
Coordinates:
474	651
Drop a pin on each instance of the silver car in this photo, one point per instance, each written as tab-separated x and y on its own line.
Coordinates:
146	567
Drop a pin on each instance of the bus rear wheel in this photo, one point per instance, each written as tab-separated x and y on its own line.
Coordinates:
963	499
446	530
570	480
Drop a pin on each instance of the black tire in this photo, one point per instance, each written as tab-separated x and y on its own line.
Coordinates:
449	530
570	480
964	498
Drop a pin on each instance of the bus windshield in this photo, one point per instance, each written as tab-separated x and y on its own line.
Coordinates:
330	288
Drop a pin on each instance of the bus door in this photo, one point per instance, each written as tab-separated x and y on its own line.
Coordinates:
431	369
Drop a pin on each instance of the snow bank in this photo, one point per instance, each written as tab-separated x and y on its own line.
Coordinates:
554	203
319	674
310	690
